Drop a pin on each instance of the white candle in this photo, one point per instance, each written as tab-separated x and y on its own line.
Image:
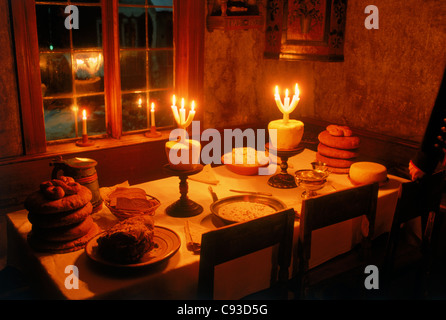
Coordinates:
182	113
175	111
191	115
84	122
278	101
152	114
286	102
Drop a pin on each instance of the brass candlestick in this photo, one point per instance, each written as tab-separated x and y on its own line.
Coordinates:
184	207
283	180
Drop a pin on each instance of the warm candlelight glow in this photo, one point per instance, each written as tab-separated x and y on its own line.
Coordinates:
75	108
139	103
287	107
84	122
180	115
152	114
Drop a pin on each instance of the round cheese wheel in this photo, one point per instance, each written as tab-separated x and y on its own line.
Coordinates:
367	172
289	134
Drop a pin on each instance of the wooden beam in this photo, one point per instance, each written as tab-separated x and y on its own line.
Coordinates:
28	74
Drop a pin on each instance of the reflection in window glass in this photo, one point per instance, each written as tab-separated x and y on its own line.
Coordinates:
50	27
89	72
72	69
134	111
147	61
161	69
89	34
133	70
55	73
132	27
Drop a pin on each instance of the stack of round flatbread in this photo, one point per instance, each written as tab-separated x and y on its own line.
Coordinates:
60	224
338	148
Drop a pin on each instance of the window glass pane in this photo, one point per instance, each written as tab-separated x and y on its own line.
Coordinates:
89	72
134	112
55	72
163	112
133	70
59	119
95	107
161	2
132	27
52	33
89	33
161	69
86	1
132	1
160	27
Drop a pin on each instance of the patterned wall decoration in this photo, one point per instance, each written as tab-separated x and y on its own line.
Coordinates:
305	29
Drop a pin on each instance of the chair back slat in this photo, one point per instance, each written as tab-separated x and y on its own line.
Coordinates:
237	240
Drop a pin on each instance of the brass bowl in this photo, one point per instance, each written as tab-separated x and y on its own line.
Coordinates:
311	181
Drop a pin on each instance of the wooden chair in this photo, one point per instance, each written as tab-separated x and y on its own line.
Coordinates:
419	198
237	240
327	210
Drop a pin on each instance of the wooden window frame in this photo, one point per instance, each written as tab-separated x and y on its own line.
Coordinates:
188	55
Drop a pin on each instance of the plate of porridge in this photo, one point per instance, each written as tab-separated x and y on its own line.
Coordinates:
245	207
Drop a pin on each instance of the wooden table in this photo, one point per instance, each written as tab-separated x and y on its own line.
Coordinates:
177	277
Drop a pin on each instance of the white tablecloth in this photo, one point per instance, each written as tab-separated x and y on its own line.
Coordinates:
177	277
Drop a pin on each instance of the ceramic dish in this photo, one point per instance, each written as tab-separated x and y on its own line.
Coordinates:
167	243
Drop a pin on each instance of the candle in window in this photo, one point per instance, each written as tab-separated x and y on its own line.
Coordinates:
84	122
152	114
139	103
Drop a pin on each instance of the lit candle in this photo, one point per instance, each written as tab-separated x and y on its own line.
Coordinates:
152	114
84	122
286	108
191	115
139	103
175	111
296	98
286	101
182	113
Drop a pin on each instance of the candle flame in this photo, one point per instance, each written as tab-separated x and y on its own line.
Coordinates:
193	105
153	106
277	90
84	114
173	100
182	103
286	93
296	90
139	103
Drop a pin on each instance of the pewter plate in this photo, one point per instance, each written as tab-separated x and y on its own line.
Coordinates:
218	205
